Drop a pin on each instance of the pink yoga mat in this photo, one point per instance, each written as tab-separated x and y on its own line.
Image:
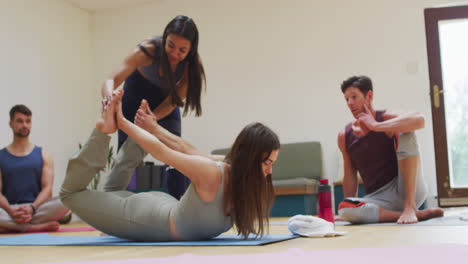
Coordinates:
75	229
427	254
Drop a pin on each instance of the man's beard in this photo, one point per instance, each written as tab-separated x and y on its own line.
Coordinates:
22	133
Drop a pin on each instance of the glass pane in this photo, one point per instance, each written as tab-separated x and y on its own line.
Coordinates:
454	57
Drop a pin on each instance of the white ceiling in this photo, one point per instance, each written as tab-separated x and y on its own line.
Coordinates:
98	5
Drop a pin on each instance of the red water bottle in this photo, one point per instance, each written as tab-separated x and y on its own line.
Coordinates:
325	201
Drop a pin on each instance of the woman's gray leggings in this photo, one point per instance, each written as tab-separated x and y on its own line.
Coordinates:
114	211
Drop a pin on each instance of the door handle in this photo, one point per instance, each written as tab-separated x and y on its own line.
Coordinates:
436	92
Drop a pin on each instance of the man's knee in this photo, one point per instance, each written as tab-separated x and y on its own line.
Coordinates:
358	212
4	216
51	210
63	194
407	145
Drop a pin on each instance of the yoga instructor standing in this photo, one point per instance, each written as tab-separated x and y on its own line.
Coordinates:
165	71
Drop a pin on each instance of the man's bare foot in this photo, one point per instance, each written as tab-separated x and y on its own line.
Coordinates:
45	227
408	217
107	123
429	213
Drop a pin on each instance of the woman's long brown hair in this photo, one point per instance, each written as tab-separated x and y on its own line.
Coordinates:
252	193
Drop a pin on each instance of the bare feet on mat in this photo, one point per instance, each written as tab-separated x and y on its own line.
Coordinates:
338	218
66	218
107	123
45	227
408	216
429	213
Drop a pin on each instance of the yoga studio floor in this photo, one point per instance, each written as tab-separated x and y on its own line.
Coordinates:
373	240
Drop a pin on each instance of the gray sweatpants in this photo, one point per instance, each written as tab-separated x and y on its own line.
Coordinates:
392	195
114	211
50	210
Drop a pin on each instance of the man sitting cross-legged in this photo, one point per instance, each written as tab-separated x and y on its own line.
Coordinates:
381	146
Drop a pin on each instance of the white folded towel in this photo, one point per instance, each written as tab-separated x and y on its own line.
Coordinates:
311	226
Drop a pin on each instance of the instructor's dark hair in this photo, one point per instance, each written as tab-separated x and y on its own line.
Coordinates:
362	82
184	26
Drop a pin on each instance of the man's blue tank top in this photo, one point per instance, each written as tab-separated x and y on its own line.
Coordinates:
21	176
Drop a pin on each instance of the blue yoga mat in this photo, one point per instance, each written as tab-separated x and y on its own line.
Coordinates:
49	240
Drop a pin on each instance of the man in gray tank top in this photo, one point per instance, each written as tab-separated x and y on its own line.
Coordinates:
26	181
381	146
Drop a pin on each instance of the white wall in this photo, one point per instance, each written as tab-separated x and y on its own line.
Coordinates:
278	62
281	63
45	63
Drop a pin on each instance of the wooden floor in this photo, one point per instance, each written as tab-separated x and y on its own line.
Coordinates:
357	237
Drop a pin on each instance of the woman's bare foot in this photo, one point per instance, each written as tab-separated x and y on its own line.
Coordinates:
45	227
429	213
107	123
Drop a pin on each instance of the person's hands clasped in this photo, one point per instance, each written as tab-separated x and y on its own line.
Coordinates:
22	215
145	118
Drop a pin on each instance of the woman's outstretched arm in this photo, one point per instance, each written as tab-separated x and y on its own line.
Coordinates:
145	119
199	169
135	59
